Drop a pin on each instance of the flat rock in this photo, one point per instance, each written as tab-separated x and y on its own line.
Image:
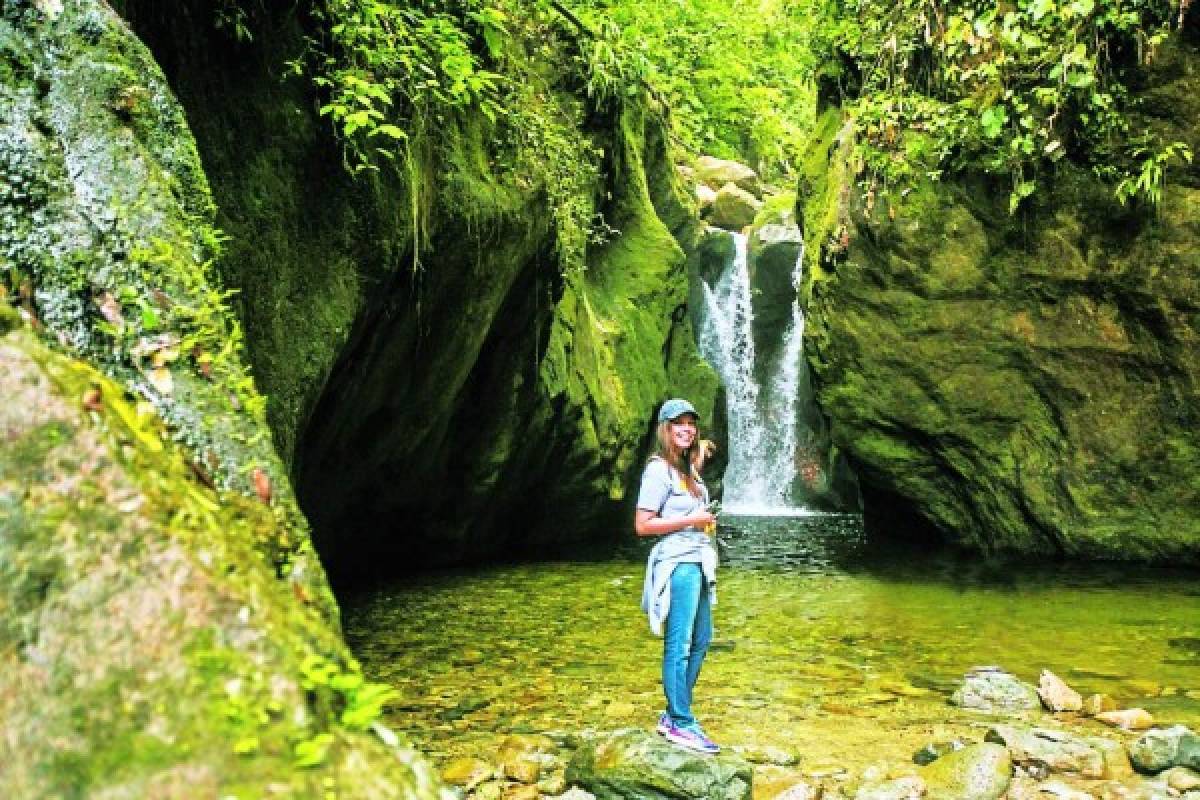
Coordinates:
1088	756
635	763
1098	704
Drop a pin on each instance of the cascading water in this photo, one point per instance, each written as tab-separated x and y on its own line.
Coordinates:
762	421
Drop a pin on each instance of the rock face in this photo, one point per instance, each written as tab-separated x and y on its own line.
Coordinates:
151	645
634	763
462	407
1023	383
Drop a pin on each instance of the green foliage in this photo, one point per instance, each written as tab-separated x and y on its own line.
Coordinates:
1147	180
381	65
1011	89
737	75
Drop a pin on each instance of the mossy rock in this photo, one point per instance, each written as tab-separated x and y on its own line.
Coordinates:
152	646
1021	384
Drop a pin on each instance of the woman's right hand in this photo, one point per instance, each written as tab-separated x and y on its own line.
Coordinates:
702	520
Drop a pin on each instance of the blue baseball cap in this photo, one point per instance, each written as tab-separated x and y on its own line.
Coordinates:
675	408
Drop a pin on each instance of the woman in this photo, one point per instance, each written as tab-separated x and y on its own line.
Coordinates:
681	570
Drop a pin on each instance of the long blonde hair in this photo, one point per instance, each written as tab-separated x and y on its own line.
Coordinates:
683	461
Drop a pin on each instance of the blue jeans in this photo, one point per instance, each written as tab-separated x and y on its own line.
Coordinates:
685	641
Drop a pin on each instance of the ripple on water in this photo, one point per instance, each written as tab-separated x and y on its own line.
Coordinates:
827	647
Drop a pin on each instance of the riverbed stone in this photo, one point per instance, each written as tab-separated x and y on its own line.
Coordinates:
635	763
467	772
1182	779
1162	748
734	208
1098	704
935	750
1063	791
1088	756
1131	719
1056	694
909	787
993	689
977	772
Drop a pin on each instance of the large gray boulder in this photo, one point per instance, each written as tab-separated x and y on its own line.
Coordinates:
634	763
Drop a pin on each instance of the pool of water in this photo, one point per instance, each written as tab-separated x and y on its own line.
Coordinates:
825	646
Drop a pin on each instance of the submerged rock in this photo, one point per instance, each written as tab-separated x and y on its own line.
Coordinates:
634	763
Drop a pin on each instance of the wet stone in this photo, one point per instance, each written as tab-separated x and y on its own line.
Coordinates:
1162	748
993	689
977	772
935	750
1091	757
635	763
906	788
1131	719
1056	695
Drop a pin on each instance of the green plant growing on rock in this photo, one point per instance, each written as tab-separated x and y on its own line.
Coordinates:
1012	90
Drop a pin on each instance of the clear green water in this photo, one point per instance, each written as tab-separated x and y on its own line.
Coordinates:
843	655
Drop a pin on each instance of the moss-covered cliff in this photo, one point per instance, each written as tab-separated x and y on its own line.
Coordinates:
165	628
469	406
1024	383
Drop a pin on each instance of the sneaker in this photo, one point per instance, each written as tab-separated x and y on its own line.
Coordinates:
664	724
685	737
709	745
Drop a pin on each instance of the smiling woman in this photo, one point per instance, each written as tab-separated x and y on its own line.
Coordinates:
672	503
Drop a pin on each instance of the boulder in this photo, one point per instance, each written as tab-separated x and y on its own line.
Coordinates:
706	197
716	172
1056	694
1087	756
733	208
1182	779
993	689
635	763
977	772
1163	748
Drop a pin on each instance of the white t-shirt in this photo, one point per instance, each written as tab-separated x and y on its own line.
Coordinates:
664	492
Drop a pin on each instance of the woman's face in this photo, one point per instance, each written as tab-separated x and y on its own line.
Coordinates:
683	431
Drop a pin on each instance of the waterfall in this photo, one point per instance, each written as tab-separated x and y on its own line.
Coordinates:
762	420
